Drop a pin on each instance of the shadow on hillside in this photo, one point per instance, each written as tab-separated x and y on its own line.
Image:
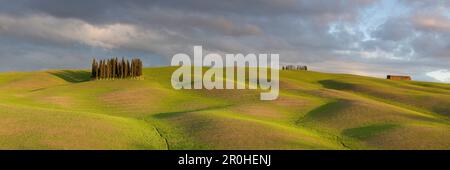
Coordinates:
337	85
73	76
172	114
325	110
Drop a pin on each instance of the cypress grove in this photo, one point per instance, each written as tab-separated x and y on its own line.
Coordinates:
109	69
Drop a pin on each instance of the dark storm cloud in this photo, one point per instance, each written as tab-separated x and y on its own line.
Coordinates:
396	29
355	36
425	30
104	8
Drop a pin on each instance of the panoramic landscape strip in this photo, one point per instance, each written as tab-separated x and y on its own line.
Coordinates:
225	83
66	109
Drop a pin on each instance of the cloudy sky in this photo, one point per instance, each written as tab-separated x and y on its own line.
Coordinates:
366	37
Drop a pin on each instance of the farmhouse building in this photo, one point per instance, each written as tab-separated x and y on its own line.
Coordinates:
395	77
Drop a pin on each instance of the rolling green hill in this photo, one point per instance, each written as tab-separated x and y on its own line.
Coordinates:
63	109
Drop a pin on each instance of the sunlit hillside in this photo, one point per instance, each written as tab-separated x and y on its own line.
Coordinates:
64	109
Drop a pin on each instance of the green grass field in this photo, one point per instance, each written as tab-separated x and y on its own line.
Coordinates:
63	109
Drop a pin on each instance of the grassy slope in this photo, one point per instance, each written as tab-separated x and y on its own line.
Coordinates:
63	110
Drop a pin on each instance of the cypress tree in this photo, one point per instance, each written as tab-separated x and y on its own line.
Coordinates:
100	73
140	67
118	68
119	64
122	71
123	68
112	68
104	69
101	69
94	68
97	73
137	67
131	68
126	69
109	69
134	66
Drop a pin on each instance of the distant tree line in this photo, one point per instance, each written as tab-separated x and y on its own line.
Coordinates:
116	69
294	67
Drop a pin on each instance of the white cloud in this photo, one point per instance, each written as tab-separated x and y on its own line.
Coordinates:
440	75
434	22
60	30
370	54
